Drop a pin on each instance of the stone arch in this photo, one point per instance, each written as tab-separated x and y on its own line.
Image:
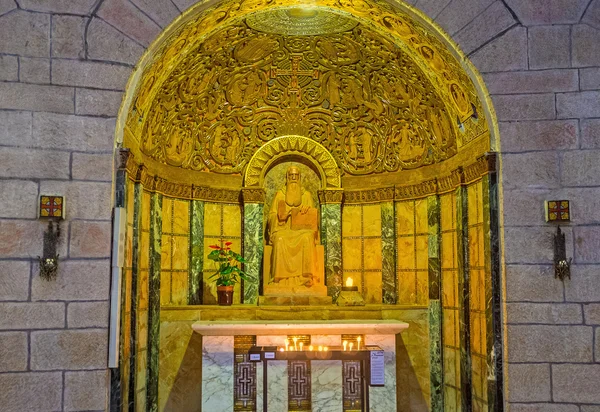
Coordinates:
293	146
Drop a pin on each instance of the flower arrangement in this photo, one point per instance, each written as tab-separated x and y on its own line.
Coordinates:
228	271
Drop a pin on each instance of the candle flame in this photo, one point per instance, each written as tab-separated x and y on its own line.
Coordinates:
349	282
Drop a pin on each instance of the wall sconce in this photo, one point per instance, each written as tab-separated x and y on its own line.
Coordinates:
52	207
562	266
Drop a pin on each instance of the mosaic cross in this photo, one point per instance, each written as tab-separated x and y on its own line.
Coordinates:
51	206
558	211
295	72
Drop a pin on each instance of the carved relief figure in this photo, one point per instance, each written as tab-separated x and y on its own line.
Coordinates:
293	233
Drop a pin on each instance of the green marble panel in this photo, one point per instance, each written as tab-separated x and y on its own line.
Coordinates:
388	253
154	301
462	228
331	237
135	245
253	249
435	355
435	307
196	252
493	293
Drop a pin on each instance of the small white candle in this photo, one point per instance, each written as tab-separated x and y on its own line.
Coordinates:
287	344
345	343
301	345
351	344
310	347
281	349
320	348
295	343
358	343
325	349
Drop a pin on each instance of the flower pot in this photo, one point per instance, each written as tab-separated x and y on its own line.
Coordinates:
225	295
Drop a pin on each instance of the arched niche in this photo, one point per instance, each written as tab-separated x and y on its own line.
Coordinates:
293	148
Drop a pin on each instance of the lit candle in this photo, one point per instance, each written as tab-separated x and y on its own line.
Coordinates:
351	344
281	349
287	344
349	282
320	348
301	345
295	343
345	343
310	347
325	349
358	343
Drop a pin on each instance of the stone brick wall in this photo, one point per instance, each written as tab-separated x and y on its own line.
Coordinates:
63	68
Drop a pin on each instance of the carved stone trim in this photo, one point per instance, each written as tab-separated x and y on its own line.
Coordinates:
382	194
253	195
422	189
476	170
300	146
123	157
330	196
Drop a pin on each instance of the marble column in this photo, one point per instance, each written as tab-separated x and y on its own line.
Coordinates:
197	252
388	253
493	286
254	199
331	237
435	306
154	300
462	228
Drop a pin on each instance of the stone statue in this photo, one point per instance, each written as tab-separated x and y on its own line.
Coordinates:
294	236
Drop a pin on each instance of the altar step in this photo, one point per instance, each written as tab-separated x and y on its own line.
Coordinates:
292	300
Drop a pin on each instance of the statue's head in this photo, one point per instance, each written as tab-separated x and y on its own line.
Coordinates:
293	175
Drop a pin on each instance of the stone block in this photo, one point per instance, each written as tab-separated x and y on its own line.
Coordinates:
184	4
589	78
494	20
13	351
586	208
162	12
531	244
591	314
76	280
16	128
67	36
90	239
506	53
544	343
25	34
82	7
544	313
87	314
6	6
529	382
534	12
524	106
87	390
73	349
532	170
580	168
14	279
590	130
590	408
37	98
97	167
525	207
34	70
432	7
31	392
460	13
130	20
85	200
70	132
90	74
539	135
578	105
584	40
33	163
576	383
30	315
97	102
597	347
584	285
549	47
587	244
546	81
542	407
24	238
9	68
107	43
592	15
19	199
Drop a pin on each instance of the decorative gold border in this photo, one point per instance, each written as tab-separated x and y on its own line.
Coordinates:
299	146
253	195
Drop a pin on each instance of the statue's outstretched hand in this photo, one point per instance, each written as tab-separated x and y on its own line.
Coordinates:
304	209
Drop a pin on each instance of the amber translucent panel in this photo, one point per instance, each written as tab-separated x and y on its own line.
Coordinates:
352	254
351	221
174	251
371	220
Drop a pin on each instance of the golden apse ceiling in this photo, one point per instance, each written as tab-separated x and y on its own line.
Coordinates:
372	86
